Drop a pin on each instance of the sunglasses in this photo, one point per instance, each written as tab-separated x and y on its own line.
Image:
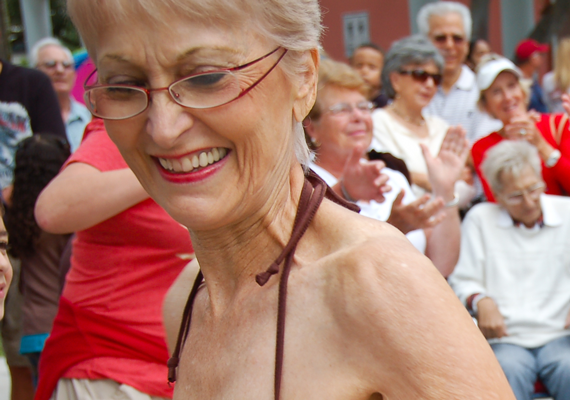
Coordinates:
422	75
442	39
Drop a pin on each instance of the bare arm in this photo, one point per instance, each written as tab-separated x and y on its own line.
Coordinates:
412	337
82	196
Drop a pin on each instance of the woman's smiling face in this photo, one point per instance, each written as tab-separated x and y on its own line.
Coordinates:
243	149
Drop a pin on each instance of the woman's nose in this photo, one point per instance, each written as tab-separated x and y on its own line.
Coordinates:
167	120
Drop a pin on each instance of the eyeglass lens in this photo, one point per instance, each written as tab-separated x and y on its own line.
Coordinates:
533	192
345	108
206	90
53	64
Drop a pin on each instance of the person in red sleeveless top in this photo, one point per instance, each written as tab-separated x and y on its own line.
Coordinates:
108	337
504	98
295	295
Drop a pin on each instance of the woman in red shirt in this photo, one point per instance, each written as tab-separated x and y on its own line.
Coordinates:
503	97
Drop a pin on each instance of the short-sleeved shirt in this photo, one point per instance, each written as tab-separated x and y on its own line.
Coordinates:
79	117
122	268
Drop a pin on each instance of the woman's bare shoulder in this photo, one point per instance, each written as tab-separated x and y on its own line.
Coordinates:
175	301
398	319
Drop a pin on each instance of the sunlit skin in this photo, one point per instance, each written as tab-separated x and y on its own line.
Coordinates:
369	62
5	267
240	211
453	54
529	211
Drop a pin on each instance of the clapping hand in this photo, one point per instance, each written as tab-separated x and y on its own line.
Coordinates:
364	180
419	214
445	169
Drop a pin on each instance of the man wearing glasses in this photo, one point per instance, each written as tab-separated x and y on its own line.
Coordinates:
56	61
448	25
513	271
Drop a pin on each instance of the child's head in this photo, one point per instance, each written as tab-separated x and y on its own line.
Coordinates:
5	266
368	60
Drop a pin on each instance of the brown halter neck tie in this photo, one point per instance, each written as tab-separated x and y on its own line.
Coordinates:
312	194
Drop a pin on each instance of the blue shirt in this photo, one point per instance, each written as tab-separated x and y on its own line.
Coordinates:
79	117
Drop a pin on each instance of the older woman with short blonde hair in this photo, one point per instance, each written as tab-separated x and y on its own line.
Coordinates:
205	101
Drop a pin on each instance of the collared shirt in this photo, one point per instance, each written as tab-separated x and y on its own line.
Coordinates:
524	270
459	107
79	117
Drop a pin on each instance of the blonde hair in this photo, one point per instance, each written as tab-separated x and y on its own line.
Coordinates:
334	73
292	24
562	65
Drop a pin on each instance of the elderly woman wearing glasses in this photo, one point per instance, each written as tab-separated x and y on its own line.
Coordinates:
340	128
513	271
294	296
410	77
503	97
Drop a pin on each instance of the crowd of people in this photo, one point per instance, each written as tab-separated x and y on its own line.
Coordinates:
198	237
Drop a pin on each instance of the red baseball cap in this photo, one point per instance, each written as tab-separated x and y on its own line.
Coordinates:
528	47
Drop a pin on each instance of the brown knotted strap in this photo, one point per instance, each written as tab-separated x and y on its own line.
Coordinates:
312	194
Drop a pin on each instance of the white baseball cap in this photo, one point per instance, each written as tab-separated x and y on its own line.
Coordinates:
489	71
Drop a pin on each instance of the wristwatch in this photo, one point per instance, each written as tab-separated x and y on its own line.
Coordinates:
553	158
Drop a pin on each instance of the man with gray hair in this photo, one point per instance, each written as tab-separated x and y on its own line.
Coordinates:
56	61
513	271
448	25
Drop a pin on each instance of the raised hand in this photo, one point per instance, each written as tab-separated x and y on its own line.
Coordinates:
364	180
445	169
419	214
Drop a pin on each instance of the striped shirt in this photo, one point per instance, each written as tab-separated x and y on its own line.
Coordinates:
459	107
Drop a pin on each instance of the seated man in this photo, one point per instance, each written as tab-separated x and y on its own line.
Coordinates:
513	272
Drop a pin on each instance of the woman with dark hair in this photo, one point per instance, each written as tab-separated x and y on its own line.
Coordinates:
38	160
477	49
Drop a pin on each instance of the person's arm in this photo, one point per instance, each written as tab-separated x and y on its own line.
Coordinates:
45	114
561	169
409	336
82	196
443	240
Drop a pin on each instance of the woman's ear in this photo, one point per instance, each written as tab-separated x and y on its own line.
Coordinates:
395	81
307	89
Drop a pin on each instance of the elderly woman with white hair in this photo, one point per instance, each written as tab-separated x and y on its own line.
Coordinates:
411	74
512	273
504	98
205	101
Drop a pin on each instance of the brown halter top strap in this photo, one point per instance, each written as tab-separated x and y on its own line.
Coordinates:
312	194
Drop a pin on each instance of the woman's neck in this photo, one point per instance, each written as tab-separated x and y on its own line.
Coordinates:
410	114
231	257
